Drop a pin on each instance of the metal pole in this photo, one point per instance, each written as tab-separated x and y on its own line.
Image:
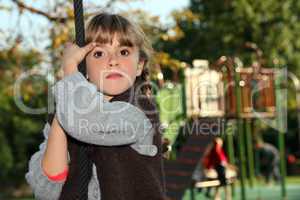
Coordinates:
249	151
229	140
230	128
192	192
280	101
79	30
240	133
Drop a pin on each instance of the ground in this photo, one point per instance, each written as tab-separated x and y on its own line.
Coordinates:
259	192
263	192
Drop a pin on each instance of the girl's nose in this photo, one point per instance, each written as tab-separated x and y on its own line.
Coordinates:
113	60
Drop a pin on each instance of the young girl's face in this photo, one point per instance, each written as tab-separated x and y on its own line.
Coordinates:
113	68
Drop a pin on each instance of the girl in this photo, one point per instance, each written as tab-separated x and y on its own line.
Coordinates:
215	158
117	71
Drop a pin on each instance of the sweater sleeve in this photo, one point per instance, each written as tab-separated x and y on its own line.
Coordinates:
85	115
43	188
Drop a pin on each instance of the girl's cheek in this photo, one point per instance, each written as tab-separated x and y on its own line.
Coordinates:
130	62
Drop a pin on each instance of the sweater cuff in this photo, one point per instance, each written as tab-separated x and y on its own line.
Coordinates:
46	176
62	176
74	77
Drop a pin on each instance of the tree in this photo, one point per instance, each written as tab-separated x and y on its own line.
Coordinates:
18	130
212	28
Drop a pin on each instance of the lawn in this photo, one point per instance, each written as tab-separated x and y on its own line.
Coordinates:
261	191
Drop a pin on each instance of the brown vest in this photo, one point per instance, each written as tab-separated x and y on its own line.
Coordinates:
123	174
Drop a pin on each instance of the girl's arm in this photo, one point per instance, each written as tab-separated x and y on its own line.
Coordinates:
55	159
84	113
43	187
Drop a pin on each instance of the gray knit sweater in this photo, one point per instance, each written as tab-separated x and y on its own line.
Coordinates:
84	113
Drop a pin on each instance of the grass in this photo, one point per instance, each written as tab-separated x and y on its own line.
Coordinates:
261	191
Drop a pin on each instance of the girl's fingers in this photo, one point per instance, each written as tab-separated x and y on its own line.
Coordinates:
87	48
68	44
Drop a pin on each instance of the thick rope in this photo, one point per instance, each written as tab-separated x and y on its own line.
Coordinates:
84	171
79	30
84	163
81	170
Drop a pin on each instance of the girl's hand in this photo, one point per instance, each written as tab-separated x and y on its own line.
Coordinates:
73	55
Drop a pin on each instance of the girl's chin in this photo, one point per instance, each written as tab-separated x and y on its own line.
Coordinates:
114	91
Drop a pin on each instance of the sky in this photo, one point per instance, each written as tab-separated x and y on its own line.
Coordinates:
32	26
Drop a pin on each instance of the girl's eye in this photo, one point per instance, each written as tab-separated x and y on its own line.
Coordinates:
124	52
98	54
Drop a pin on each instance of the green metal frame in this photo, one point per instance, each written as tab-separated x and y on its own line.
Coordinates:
250	153
241	148
281	129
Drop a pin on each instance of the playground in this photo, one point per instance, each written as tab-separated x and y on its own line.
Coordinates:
230	119
205	111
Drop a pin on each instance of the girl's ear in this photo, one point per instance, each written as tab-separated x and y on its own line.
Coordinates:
140	67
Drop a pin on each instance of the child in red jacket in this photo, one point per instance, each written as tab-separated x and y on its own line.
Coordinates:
215	158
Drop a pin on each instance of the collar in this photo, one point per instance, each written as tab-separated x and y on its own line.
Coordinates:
127	96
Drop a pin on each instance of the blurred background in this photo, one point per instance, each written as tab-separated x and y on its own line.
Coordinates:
245	52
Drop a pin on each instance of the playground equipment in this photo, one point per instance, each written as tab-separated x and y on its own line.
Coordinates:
250	94
178	172
258	91
204	91
246	99
252	91
202	95
212	177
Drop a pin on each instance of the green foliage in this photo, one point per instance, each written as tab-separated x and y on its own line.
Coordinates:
19	131
223	28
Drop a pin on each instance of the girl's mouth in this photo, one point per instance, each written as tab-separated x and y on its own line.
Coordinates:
114	76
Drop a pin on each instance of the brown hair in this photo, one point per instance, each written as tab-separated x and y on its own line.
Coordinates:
104	27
